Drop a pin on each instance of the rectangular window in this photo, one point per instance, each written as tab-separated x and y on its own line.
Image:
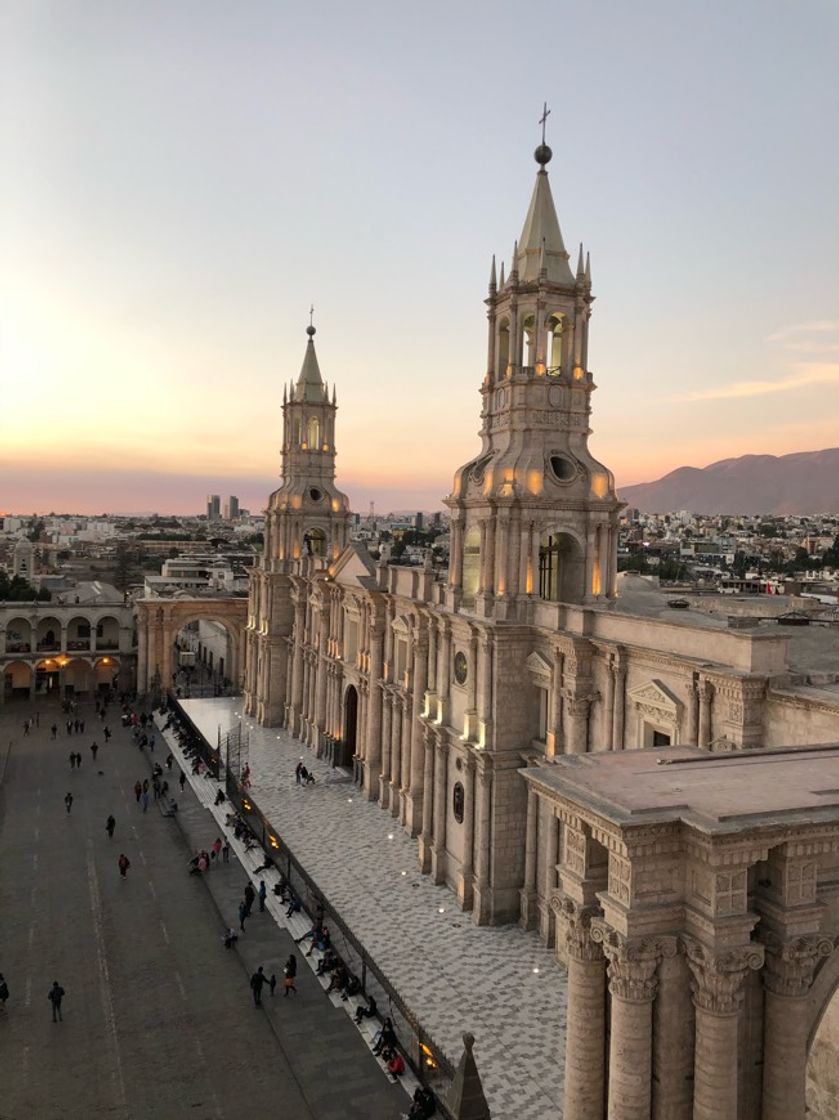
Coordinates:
401	659
350	641
544	697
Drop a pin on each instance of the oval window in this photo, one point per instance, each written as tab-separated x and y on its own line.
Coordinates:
315	494
461	667
563	468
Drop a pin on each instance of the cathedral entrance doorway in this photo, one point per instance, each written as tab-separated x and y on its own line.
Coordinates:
350	719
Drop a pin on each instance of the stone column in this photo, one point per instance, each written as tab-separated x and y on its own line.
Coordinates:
428	796
444	678
456	554
297	667
692	729
585	1032
705	696
576	711
466	878
404	775
787	977
438	855
619	720
416	781
632	985
608	710
395	754
528	891
384	774
673	1031
551	859
374	718
717	996
482	908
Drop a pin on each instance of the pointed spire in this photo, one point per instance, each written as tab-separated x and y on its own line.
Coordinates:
310	383
285	394
466	1100
493	287
502	281
541	224
514	262
334	397
580	263
588	270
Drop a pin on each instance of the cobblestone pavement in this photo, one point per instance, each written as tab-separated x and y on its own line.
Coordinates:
500	983
158	1017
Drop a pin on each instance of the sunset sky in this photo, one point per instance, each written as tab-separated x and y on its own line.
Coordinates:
182	178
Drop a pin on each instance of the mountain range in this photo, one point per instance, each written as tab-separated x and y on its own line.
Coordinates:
803	482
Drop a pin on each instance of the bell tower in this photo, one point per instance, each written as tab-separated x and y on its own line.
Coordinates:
534	515
308	515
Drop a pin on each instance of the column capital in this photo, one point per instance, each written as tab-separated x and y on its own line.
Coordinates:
718	975
632	961
575	924
791	962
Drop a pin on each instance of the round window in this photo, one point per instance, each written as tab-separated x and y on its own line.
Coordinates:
315	494
461	667
563	468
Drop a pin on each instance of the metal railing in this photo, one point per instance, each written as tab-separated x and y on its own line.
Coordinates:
431	1066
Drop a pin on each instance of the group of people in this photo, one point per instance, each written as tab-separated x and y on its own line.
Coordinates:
302	776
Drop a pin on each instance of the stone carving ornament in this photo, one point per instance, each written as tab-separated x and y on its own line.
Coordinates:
718	976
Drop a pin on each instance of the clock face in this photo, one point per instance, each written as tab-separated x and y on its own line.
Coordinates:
461	667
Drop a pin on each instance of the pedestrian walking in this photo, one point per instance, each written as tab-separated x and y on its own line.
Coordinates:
230	938
138	789
297	770
182	780
54	730
4	992
55	995
216	848
262	894
76	726
243	913
94	747
152	741
78	760
72	760
272	983
25	728
123	863
225	851
289	974
257	982
68	801
250	895
144	801
110	825
169	760
107	733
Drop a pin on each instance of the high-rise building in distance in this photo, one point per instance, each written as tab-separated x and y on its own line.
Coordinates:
213	507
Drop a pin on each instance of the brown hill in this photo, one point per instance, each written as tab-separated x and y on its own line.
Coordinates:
804	482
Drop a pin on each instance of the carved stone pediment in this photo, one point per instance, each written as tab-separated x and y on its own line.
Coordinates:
539	667
656	696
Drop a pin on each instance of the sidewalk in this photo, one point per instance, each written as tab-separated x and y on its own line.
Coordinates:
501	983
340	1077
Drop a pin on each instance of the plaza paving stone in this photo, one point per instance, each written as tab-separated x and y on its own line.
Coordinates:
453	975
158	1018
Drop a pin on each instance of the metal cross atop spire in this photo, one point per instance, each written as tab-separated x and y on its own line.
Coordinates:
310	330
545	114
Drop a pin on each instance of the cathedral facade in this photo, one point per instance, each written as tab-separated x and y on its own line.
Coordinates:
446	689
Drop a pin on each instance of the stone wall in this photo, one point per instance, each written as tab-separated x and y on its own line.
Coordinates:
823	1068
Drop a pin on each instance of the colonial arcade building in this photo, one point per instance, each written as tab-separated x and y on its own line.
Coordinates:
458	695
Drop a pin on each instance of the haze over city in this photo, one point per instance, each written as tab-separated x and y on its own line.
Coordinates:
182	182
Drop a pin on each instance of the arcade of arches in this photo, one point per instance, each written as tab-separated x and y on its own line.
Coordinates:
159	622
695	903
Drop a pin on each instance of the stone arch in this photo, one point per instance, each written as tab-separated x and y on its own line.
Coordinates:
554	328
159	621
503	347
313	433
17	679
79	630
77	674
471	561
562	565
107	632
19	636
824	990
105	672
48	634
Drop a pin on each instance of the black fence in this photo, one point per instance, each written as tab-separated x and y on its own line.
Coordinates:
429	1064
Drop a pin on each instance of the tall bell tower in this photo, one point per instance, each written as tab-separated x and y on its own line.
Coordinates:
306	527
534	515
308	515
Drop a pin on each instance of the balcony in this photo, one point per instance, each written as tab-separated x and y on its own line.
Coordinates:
18	647
106	644
48	644
79	644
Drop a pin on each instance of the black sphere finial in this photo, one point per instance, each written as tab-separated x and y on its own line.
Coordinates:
543	155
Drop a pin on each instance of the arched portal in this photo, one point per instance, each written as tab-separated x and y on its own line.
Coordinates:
48	676
159	622
201	658
351	719
822	1082
561	568
17	679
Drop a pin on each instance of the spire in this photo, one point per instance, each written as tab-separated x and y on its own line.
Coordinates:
541	224
502	279
588	270
514	260
285	394
310	383
580	263
492	282
466	1100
